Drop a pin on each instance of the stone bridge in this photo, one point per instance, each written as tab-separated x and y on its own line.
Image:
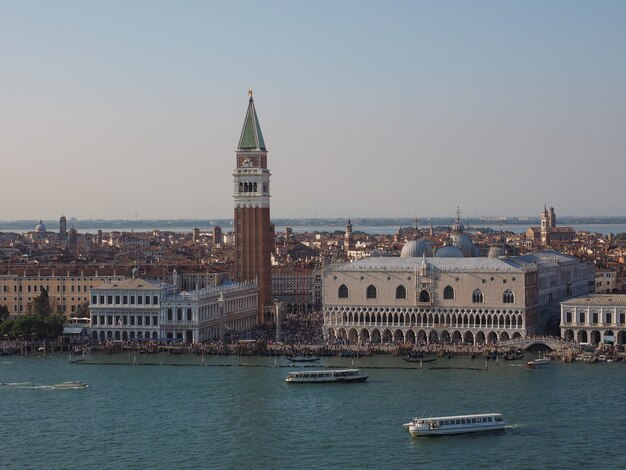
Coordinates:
554	344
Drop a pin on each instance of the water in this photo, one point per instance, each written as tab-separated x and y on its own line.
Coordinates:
227	416
604	229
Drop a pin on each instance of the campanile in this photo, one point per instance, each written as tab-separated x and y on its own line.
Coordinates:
253	243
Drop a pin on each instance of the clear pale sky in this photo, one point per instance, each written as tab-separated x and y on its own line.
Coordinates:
111	109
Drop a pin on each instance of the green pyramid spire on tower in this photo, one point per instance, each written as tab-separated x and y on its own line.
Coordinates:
251	135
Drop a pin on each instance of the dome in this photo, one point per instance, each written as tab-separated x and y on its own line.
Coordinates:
416	249
449	251
464	243
40	227
458	227
495	252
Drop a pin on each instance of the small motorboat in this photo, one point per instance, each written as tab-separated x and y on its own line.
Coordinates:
303	358
410	358
70	385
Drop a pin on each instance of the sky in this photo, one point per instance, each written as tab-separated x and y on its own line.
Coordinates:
117	109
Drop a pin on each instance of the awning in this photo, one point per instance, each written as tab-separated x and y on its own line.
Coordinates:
73	330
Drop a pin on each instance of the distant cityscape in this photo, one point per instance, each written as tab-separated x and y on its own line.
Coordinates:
149	224
362	281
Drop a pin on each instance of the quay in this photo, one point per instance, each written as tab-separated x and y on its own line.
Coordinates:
566	352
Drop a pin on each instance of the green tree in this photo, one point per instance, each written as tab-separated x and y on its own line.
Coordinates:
4	313
82	311
40	305
6	328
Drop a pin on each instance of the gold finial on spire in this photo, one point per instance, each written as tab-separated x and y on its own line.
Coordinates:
250	93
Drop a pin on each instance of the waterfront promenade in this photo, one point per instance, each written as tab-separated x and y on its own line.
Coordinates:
301	335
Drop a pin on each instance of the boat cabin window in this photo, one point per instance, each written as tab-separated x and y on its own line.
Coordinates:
473	420
458	421
441	423
447	422
489	419
498	418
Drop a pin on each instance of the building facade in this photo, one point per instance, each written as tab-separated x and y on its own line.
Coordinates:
298	288
595	319
429	300
606	281
208	314
253	240
127	310
68	288
140	309
470	300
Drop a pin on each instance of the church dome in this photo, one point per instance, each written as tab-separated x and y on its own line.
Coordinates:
449	251
416	249
466	246
458	227
40	227
495	252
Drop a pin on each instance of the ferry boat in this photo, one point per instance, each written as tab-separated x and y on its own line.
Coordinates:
445	425
326	376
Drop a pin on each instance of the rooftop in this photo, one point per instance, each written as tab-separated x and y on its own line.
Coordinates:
597	299
439	264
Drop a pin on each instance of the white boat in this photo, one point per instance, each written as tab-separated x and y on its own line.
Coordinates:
326	376
536	363
71	385
542	360
445	425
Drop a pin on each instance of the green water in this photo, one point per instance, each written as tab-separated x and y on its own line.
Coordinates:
238	412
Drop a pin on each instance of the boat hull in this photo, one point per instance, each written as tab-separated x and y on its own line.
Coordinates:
326	380
446	432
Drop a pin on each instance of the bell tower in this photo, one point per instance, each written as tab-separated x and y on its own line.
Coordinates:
253	241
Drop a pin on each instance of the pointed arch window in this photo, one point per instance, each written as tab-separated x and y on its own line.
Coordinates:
343	291
424	296
448	293
371	292
400	292
477	296
508	297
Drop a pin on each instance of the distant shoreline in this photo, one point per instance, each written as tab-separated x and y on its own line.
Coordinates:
189	224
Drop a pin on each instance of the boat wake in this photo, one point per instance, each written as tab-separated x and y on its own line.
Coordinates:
32	386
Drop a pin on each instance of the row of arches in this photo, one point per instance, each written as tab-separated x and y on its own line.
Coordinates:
355	317
594	336
179	314
123	335
247	187
415	336
371	292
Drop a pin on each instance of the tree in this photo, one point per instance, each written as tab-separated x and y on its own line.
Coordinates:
4	313
82	311
40	305
6	328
